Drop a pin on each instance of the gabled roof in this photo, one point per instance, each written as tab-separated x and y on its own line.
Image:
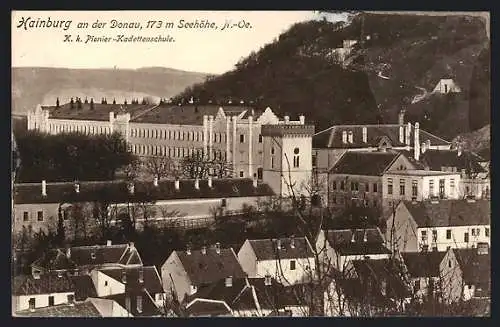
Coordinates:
191	114
151	279
203	269
423	264
364	163
437	159
84	309
267	249
449	213
149	308
342	241
46	284
117	191
476	268
93	256
332	137
84	287
99	113
202	307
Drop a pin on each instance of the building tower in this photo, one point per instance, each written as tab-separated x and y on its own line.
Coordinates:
287	157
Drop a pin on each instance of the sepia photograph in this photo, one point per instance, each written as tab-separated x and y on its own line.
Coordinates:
250	164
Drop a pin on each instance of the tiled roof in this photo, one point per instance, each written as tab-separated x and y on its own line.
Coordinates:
202	307
100	112
84	287
203	269
423	264
364	163
448	213
476	268
342	241
84	309
332	137
117	191
151	278
46	284
267	249
186	114
437	159
149	308
95	255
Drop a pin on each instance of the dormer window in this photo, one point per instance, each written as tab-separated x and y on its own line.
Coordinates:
141	276
92	255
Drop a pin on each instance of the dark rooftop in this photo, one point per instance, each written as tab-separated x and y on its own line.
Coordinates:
46	284
84	309
151	279
437	159
476	268
117	191
446	213
203	269
99	113
186	114
84	287
129	303
267	249
364	163
332	137
342	241
423	264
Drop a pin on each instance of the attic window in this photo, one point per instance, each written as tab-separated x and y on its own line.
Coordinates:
92	255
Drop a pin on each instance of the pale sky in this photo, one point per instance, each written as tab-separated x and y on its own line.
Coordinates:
210	51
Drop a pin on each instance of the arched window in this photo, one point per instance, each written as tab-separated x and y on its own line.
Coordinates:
296	157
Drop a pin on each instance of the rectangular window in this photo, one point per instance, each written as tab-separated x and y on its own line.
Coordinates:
260	138
375	187
441	189
51	301
26	216
31	303
260	173
40	215
424	235
139	303
389	186
292	264
448	234
272	162
466	237
334	185
242	138
487	232
434	235
314	160
414	188
402	187
71	298
431	188
367	187
241	173
295	161
342	185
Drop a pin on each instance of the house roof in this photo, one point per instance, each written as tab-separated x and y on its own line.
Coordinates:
151	279
203	269
85	309
332	137
202	307
437	159
46	284
186	114
267	249
95	255
149	308
364	163
84	287
342	241
476	268
423	264
449	213
100	112
117	191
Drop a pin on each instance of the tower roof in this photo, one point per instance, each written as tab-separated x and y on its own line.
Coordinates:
287	130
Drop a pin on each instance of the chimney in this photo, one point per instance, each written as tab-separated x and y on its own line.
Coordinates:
124	277
77	187
229	281
197	184
188	249
401	117
68	253
365	134
108	243
130	188
416	142
423	147
287	119
131	245
267	280
292	242
210	181
111	116
302	119
36	274
177	186
353	237
44	188
255	182
408	134
350	136
155	181
217	248
278	244
344	137
365	237
141	276
203	249
459	150
401	134
59	274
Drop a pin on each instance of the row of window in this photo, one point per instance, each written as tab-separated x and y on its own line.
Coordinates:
182	136
173	152
32	301
85	129
414	187
354	186
476	232
39	216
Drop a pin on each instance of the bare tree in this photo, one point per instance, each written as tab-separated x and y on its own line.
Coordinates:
161	166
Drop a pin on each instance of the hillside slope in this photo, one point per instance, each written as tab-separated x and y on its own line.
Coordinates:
296	73
39	85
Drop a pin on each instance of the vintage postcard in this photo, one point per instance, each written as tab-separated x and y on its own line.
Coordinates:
250	164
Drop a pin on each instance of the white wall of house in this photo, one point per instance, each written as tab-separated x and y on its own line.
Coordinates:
247	259
304	269
456	237
174	276
106	285
41	300
109	308
401	231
